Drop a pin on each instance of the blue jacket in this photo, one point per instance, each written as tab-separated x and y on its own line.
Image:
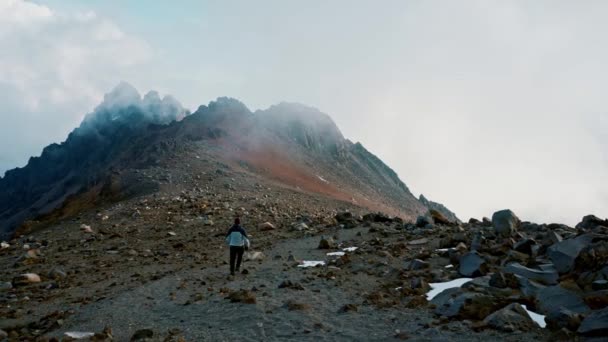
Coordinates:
237	236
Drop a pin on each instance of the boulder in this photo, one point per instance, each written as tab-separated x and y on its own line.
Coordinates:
590	222
503	280
438	217
505	222
343	216
266	226
596	324
596	299
529	288
563	254
554	298
327	243
563	318
25	279
472	265
511	318
549	277
599	285
422	221
525	246
456	302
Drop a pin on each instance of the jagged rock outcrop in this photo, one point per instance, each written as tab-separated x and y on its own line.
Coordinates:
295	145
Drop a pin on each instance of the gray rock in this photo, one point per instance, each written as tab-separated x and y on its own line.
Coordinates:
422	221
563	318
599	285
590	222
477	242
456	302
327	243
418	264
57	273
596	324
5	285
512	317
505	222
472	265
544	277
142	334
525	246
554	298
529	288
503	280
563	254
3	335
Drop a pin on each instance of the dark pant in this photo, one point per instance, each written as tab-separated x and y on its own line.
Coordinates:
236	253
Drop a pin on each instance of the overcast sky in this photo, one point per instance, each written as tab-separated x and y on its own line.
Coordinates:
481	105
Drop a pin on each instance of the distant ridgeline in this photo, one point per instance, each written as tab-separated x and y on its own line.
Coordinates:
291	143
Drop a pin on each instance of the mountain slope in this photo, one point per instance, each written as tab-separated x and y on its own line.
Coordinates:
287	145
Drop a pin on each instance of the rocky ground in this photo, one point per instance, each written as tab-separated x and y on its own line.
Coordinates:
154	268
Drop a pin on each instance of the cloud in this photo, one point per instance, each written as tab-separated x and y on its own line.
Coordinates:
54	67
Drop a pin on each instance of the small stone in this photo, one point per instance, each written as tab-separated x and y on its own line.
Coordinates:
266	226
86	228
171	234
327	243
57	273
142	334
418	264
27	278
4	245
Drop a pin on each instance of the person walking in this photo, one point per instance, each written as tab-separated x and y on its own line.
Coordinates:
237	239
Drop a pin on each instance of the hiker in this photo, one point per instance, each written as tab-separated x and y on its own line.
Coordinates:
237	239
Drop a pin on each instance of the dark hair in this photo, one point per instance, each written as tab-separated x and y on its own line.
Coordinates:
237	221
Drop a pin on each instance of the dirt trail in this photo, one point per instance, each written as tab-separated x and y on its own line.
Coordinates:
162	305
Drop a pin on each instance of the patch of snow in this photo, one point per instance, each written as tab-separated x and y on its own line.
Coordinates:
336	254
441	250
350	249
79	335
449	266
437	288
538	318
4	245
307	263
322	179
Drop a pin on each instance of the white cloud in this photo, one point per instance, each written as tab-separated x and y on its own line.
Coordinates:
54	68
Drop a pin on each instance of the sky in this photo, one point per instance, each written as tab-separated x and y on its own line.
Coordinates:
480	105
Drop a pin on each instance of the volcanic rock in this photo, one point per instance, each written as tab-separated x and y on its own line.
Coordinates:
505	222
563	318
327	243
549	277
596	324
472	265
266	226
553	298
590	222
511	318
25	279
563	254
